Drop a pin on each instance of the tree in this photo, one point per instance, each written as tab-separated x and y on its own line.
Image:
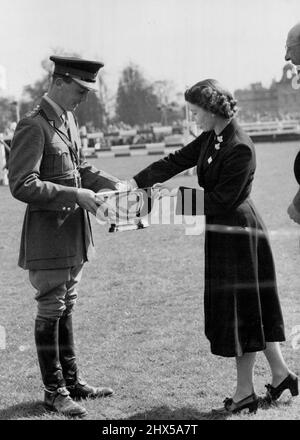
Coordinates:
7	113
32	94
171	104
91	113
136	101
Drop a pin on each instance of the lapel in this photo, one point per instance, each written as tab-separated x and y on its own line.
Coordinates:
227	135
55	121
73	130
209	141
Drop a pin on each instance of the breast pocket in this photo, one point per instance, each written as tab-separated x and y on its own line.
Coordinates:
57	160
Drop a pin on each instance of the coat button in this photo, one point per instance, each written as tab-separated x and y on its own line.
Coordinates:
63	208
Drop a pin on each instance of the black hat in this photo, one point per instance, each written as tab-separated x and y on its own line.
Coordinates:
84	72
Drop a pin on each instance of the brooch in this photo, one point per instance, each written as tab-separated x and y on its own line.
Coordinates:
219	139
217	147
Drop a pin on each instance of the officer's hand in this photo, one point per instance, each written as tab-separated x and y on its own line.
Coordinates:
293	213
86	198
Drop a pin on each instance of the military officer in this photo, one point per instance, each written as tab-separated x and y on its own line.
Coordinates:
47	173
293	55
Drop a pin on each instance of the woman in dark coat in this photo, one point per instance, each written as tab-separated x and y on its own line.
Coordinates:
241	304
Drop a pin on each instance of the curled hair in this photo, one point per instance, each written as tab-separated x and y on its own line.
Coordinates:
210	95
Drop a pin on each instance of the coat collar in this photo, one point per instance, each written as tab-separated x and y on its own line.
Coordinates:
220	142
50	111
53	117
228	132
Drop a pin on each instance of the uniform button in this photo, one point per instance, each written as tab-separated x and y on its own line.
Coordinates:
63	208
69	209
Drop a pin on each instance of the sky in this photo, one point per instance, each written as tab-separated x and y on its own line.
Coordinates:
237	42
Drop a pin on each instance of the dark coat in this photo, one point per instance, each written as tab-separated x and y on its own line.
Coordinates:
241	304
296	200
43	173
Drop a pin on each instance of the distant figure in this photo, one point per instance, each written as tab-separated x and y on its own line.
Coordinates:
5	144
4	156
292	46
293	55
241	304
2	163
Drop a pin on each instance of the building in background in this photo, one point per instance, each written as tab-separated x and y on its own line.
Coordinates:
280	101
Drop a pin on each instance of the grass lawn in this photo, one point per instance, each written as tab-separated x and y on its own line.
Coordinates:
139	318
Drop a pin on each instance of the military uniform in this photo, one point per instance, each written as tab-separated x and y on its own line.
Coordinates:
46	172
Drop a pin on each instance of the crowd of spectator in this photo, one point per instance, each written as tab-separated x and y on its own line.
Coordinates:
123	134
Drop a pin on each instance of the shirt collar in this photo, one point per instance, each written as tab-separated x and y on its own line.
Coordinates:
56	107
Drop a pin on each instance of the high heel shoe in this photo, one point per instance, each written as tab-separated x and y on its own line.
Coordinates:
290	382
230	407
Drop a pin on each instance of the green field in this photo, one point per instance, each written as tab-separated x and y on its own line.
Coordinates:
139	318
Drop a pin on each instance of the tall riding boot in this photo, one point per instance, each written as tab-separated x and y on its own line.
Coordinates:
67	349
57	397
46	339
77	387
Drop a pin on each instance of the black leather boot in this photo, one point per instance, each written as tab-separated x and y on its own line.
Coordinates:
66	345
57	398
46	339
77	387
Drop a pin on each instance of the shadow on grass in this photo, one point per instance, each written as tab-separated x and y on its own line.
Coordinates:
32	410
189	413
36	409
23	410
166	413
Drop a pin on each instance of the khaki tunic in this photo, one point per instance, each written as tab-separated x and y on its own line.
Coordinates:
43	174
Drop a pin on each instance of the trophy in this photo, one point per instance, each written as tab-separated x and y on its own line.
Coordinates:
124	210
127	210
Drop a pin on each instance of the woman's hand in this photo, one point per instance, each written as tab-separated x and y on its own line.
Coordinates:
160	190
126	185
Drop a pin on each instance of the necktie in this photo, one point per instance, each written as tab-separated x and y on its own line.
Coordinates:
68	124
65	120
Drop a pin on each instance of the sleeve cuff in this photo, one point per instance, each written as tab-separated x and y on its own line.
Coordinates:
133	183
